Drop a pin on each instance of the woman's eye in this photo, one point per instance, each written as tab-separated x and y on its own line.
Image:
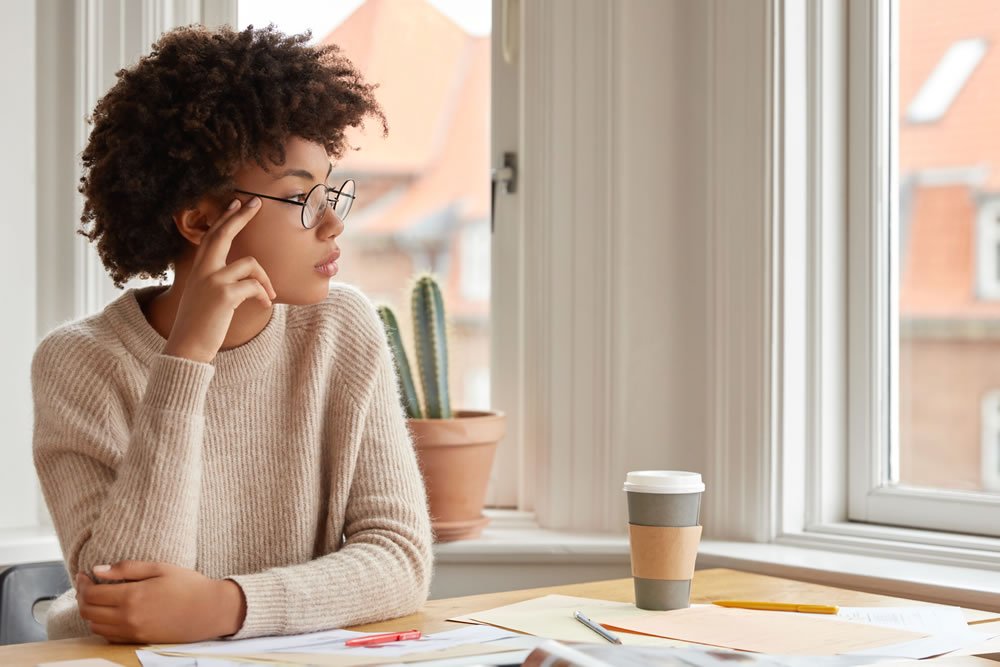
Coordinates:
301	197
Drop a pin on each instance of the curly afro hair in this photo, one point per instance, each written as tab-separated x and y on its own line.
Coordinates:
177	125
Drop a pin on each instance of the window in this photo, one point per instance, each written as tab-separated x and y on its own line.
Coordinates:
925	341
988	249
945	82
475	260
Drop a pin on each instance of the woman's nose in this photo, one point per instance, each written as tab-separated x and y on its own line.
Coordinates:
331	225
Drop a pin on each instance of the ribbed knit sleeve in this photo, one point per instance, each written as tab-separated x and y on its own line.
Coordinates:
118	492
383	569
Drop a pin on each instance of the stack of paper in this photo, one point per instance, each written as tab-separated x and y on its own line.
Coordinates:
327	648
885	632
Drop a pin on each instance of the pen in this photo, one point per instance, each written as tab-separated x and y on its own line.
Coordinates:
374	640
780	606
597	628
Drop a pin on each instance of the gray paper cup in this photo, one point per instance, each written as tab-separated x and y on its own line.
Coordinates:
663	498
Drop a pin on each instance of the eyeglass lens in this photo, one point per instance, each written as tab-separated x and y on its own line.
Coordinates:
320	198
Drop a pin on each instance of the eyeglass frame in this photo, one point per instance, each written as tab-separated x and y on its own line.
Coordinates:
309	194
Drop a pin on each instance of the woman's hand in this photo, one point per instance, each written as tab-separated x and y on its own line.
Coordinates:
215	289
159	603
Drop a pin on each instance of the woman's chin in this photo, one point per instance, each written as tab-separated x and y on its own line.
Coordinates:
316	293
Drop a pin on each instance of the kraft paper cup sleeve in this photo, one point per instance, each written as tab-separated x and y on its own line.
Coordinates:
660	552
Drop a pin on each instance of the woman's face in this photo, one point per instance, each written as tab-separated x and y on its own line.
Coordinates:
291	255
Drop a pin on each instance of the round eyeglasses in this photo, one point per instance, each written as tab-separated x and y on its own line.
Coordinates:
318	200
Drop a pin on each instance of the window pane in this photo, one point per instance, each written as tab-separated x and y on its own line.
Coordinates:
422	192
949	248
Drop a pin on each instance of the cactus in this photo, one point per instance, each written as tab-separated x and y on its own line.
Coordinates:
406	387
430	341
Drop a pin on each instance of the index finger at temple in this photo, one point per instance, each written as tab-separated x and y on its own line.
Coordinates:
219	239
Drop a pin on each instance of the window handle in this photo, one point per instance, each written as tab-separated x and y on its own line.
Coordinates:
507	174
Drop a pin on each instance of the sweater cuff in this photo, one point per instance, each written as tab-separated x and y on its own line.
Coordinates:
267	605
178	385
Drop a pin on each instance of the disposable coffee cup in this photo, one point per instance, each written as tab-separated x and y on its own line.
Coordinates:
664	507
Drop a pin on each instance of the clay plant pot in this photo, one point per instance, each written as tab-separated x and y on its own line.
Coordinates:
456	456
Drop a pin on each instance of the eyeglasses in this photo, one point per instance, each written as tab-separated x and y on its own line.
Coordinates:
317	200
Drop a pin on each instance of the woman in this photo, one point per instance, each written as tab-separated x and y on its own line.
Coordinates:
227	456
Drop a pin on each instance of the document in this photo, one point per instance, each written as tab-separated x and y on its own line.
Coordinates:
551	617
772	632
947	626
594	655
328	648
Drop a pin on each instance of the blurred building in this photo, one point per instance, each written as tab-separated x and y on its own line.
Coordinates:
949	238
423	191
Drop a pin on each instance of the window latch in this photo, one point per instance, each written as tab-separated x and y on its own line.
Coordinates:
507	175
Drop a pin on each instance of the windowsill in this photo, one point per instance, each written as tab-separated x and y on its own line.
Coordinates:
513	537
28	545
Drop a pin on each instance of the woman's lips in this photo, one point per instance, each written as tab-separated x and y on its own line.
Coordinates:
329	269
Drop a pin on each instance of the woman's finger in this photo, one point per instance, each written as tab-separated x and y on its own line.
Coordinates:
218	240
129	570
246	267
248	288
107	595
97	614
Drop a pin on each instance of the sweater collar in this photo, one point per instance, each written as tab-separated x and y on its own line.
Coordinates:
233	365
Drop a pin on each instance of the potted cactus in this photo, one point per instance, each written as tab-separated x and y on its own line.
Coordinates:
455	447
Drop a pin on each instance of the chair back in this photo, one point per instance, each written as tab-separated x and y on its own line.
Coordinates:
23	586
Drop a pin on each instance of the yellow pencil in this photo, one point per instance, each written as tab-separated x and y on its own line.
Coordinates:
779	606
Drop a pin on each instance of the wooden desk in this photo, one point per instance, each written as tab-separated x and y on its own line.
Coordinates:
708	585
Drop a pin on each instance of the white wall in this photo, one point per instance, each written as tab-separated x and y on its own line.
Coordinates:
17	260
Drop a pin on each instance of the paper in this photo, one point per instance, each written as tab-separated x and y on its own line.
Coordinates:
774	632
947	627
151	659
552	617
263	644
925	619
327	648
82	662
644	656
988	646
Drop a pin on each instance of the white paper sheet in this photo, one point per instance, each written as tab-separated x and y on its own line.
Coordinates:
927	619
947	626
930	646
332	642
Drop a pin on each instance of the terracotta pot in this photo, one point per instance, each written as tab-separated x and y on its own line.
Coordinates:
456	456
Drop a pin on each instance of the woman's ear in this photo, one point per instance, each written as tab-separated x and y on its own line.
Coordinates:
192	223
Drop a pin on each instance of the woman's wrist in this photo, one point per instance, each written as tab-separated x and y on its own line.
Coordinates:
232	607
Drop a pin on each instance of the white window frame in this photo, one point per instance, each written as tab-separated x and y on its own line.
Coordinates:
991	440
791	417
988	249
874	495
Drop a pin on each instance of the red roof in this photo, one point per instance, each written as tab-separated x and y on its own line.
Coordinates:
433	80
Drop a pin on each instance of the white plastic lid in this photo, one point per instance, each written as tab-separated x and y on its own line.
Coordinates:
664	481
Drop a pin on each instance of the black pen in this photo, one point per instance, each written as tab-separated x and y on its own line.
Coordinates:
597	628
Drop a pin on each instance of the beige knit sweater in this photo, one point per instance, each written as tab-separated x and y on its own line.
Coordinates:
284	465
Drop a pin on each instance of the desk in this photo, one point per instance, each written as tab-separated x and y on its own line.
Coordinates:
708	585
